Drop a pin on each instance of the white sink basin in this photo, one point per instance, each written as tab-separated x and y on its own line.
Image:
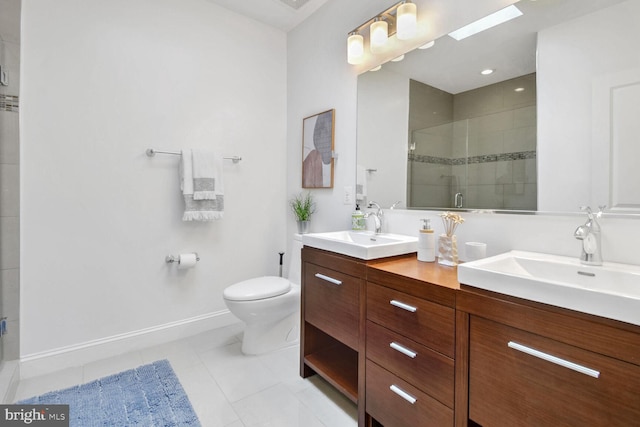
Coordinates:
363	245
611	290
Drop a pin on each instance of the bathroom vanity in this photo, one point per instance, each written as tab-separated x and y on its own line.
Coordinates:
410	343
331	313
369	325
412	347
534	364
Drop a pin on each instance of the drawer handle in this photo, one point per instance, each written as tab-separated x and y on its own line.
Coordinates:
553	359
403	306
329	279
404	350
403	394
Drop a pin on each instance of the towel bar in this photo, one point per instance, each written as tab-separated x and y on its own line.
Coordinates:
152	152
173	258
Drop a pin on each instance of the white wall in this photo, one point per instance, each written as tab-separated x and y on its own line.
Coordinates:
572	58
384	107
320	78
102	81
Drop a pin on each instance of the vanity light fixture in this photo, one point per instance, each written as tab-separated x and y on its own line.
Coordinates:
407	21
355	48
497	18
379	31
399	20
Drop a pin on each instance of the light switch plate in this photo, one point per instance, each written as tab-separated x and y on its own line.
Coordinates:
348	195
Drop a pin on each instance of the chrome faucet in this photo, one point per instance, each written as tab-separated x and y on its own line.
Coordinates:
377	217
589	234
457	200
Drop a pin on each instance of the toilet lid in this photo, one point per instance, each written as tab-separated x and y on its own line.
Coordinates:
257	288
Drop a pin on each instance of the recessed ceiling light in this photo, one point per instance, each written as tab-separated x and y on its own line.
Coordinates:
398	59
376	68
497	18
486	72
427	45
519	89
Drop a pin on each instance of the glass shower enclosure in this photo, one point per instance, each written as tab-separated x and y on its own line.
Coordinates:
486	162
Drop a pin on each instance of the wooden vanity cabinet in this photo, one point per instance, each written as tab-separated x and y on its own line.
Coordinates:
410	348
331	319
531	364
382	334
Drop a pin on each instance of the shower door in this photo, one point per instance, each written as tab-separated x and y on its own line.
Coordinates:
486	162
437	166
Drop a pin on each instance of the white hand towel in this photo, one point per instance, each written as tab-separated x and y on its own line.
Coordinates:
196	210
207	175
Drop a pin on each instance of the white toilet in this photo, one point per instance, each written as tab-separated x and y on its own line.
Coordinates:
269	306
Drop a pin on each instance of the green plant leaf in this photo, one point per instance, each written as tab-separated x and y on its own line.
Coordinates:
302	206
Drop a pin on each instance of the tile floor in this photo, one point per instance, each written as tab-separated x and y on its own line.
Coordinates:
226	388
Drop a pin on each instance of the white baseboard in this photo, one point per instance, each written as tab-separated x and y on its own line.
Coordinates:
79	354
9	378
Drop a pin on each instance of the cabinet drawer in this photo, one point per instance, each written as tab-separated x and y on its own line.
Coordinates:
508	385
331	303
426	369
391	409
428	323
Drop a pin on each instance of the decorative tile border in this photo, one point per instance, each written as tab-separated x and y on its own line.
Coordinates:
9	103
485	158
430	159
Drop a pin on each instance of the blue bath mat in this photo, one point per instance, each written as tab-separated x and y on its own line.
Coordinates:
149	395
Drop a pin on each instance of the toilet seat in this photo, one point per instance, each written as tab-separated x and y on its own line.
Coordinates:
257	288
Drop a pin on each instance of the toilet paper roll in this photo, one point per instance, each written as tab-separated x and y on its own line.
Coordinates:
187	261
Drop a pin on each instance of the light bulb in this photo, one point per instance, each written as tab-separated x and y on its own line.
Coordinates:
406	21
355	49
379	31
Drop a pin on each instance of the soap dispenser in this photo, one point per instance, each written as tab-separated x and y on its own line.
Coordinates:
357	220
426	242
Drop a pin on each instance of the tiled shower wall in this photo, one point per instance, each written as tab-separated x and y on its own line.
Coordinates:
430	128
10	176
487	153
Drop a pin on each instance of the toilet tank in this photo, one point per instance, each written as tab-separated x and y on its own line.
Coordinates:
295	259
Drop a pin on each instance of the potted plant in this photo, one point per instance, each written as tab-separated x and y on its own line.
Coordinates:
303	206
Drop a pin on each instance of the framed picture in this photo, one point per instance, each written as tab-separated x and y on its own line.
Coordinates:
317	150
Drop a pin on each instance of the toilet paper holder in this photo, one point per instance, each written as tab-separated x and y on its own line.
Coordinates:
172	258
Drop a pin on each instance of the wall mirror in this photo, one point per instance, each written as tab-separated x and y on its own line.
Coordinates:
435	133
